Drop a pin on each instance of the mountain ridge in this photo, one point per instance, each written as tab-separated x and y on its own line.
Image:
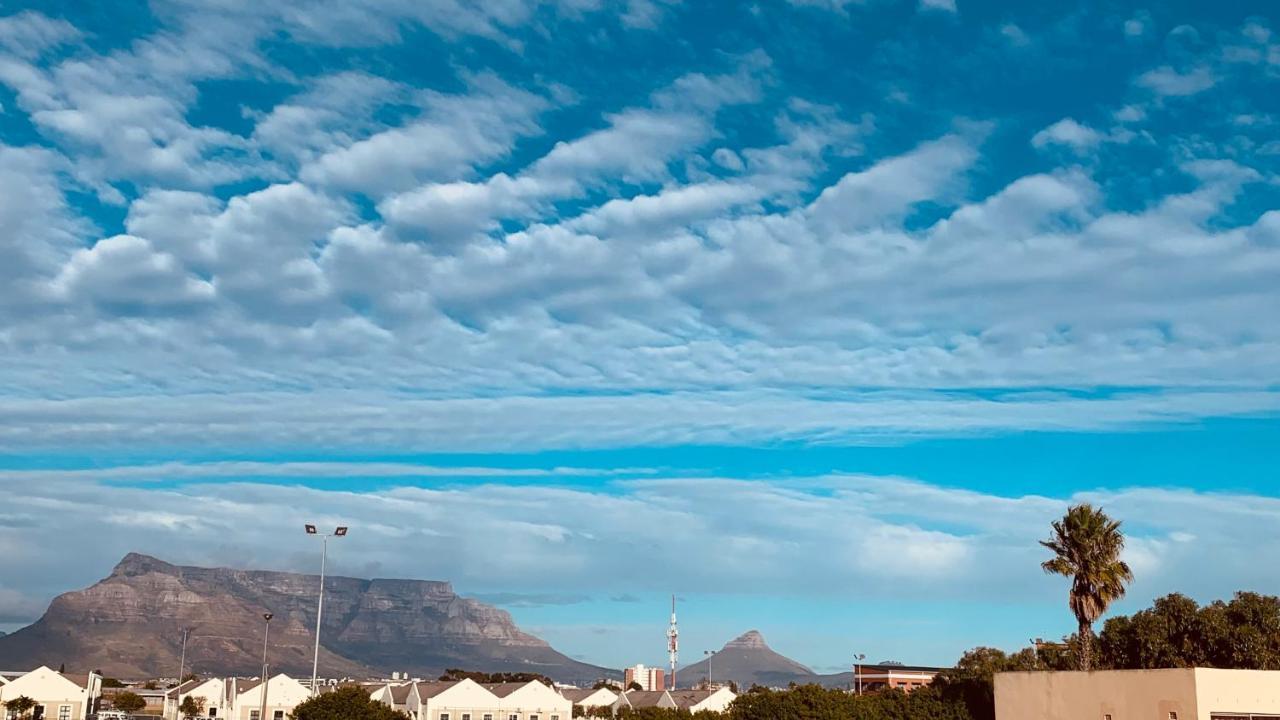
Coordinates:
748	660
130	623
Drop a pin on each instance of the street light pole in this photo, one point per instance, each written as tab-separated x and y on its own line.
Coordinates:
709	655
857	671
341	531
182	668
266	631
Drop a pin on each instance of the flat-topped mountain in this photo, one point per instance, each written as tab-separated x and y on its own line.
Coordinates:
748	660
130	624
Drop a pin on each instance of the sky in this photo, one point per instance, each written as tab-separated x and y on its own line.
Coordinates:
814	313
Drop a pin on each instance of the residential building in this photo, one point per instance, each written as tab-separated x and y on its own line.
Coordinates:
531	701
469	700
588	698
647	678
692	700
1172	694
283	695
58	696
211	695
394	694
715	700
869	678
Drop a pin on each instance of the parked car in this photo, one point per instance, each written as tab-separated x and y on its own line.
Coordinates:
110	715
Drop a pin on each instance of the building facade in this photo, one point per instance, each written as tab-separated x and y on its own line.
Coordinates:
58	696
588	699
870	678
647	678
1172	694
469	700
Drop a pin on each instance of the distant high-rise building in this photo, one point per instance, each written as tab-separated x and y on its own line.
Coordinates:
647	678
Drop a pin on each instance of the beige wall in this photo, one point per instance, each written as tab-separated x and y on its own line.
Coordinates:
1226	692
1122	694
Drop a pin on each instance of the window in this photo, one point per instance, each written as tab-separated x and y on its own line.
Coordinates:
466	716
64	712
1106	717
513	717
213	712
444	716
487	716
533	717
254	715
1173	715
278	715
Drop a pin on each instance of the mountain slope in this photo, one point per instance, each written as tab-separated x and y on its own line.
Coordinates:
130	625
748	660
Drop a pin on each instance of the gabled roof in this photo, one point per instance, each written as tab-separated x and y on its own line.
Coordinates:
577	695
647	698
505	689
185	687
433	688
688	698
400	693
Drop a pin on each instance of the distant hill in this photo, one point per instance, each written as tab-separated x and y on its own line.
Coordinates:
129	626
748	660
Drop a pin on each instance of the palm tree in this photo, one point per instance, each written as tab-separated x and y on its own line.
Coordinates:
1086	546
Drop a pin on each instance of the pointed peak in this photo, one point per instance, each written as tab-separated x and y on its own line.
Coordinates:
139	564
749	639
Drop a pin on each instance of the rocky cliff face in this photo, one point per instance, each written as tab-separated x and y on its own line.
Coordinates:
130	625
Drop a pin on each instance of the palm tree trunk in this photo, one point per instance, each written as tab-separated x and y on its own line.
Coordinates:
1086	646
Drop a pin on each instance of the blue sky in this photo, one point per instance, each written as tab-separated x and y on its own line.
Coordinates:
814	313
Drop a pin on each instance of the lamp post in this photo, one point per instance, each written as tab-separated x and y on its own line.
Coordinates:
340	531
266	631
182	668
857	671
710	654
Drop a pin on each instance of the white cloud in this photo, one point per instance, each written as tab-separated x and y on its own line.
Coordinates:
943	5
125	274
28	34
1070	133
1168	82
816	537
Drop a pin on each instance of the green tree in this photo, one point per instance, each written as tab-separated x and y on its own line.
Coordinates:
111	683
1086	546
191	706
20	705
635	686
346	703
128	702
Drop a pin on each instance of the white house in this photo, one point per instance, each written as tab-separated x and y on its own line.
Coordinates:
394	694
587	698
57	696
694	700
451	700
210	695
283	695
531	701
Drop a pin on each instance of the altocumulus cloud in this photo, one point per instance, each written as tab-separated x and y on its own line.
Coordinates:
505	260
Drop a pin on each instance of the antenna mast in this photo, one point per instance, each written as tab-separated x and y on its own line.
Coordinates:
673	642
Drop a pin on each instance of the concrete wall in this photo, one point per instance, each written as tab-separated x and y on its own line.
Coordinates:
1122	694
1228	692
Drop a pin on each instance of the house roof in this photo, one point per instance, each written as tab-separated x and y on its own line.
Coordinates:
580	694
505	689
689	698
433	688
645	698
400	693
185	687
